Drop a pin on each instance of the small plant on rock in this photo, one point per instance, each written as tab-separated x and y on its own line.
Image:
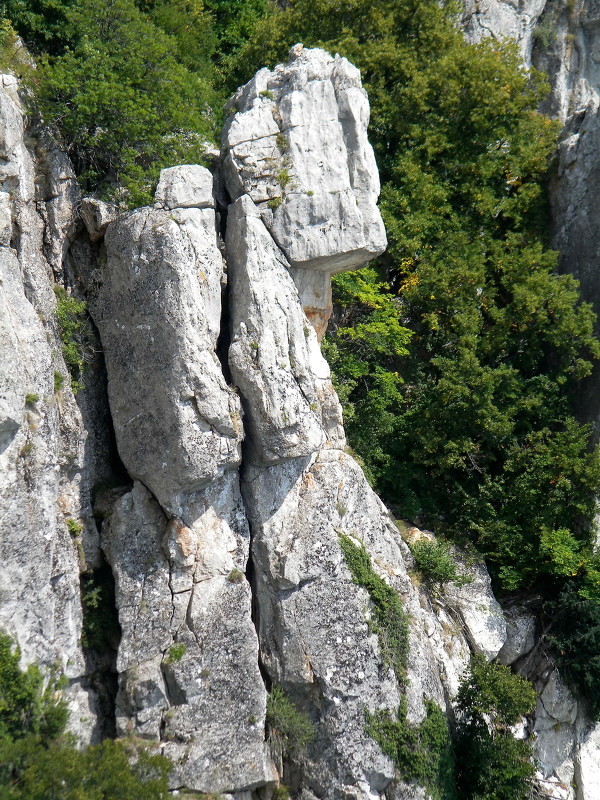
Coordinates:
289	728
176	653
436	563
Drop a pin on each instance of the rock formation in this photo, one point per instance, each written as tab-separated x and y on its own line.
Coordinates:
201	473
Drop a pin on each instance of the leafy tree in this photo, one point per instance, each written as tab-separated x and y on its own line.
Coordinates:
574	633
131	93
491	763
42	23
39	762
472	430
28	705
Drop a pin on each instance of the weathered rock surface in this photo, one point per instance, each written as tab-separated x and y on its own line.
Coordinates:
316	185
503	18
158	309
188	658
185	186
229	575
274	357
41	431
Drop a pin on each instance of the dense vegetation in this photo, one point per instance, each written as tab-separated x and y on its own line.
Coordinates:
39	762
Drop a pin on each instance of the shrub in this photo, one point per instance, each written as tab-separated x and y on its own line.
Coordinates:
130	95
176	653
76	334
390	620
289	727
491	763
236	576
74	527
422	753
575	637
31	399
436	563
59	381
29	704
100	620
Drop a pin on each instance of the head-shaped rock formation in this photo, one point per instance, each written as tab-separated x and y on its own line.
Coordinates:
296	143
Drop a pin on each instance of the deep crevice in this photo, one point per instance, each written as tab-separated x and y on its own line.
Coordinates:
101	634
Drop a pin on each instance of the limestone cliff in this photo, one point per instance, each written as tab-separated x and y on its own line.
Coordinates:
201	469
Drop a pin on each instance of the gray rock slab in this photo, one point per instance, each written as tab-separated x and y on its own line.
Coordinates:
274	355
296	142
316	640
185	186
157	308
188	657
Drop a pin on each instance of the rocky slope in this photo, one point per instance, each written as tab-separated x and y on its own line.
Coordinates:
201	473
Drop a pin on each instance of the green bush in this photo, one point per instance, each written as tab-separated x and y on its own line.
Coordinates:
124	97
176	653
436	563
38	762
422	753
390	620
575	638
491	764
76	334
29	704
289	727
100	629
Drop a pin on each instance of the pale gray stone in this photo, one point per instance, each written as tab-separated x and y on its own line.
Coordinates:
274	356
480	612
188	657
314	622
296	143
157	308
185	186
42	437
97	216
520	636
499	19
300	133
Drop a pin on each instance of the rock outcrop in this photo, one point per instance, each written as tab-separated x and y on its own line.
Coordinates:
315	185
201	471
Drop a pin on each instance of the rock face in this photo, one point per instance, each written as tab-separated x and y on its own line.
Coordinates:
315	185
42	435
202	465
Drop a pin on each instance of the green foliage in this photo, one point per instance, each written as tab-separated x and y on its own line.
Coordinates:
455	357
32	770
283	177
28	703
131	93
289	728
274	202
436	563
37	762
41	23
422	753
75	333
59	381
491	764
575	637
100	621
236	576
390	621
74	527
176	652
31	399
